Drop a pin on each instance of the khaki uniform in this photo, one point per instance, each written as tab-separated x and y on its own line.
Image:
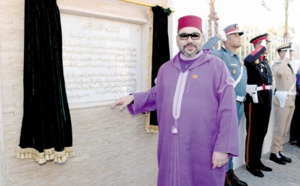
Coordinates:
285	80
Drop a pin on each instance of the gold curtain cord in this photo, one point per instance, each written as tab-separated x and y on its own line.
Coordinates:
144	4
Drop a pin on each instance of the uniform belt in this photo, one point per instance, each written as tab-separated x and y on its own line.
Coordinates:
241	98
264	87
289	93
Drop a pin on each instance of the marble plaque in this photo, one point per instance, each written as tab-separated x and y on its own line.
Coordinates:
101	58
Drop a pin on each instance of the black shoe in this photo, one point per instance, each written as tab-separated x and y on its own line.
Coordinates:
265	168
235	180
293	142
286	159
228	180
274	158
255	172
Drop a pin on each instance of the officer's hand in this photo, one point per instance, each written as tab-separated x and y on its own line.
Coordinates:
264	43
124	101
222	35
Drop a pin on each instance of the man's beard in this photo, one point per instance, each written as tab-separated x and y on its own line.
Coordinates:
183	51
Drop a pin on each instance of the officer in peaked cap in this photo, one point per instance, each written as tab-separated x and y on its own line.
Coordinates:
283	102
232	41
260	38
258	103
285	47
232	29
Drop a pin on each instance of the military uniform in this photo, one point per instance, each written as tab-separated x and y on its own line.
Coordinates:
235	67
257	112
284	102
239	73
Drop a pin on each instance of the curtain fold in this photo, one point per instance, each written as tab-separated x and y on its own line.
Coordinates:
160	48
46	132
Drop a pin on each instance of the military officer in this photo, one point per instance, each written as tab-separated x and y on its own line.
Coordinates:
284	101
232	41
258	103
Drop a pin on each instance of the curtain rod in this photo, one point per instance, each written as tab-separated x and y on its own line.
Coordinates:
142	4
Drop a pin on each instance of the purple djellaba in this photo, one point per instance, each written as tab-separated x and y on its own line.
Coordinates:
195	102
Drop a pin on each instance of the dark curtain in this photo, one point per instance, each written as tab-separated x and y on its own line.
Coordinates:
160	46
46	121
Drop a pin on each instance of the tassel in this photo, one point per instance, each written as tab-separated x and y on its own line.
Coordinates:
47	155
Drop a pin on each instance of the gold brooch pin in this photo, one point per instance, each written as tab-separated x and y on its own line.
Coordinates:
195	76
234	71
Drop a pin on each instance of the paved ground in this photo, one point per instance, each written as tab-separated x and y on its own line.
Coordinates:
282	175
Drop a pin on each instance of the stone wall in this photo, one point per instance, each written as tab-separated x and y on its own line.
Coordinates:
111	147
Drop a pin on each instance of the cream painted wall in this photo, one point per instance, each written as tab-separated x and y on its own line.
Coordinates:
111	147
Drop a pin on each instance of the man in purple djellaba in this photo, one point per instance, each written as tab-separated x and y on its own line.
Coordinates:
195	102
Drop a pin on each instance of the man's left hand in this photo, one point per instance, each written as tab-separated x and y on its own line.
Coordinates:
219	159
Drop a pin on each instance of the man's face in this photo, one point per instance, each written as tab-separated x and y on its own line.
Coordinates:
189	41
282	54
234	40
268	43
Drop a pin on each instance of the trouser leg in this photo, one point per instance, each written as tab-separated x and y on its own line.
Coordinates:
257	116
283	117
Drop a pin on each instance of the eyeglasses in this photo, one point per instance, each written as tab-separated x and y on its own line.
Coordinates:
185	36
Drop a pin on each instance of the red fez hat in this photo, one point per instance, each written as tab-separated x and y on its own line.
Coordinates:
190	21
